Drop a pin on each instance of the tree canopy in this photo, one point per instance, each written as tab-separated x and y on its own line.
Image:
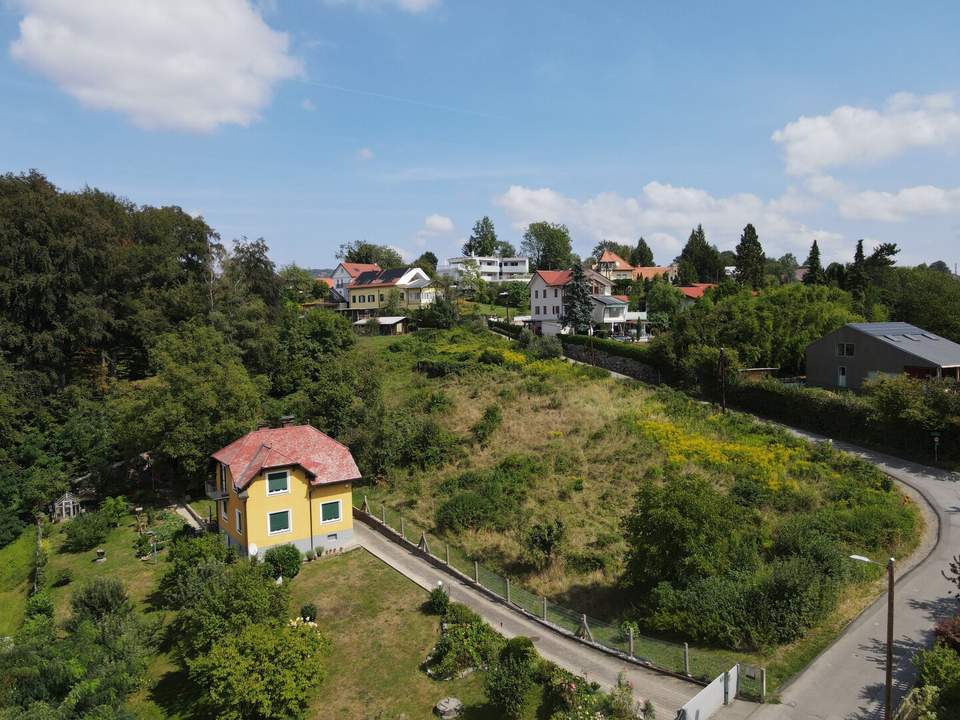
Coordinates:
751	261
700	259
577	306
641	255
548	246
361	251
482	240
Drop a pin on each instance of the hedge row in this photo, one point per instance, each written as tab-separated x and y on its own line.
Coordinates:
631	351
505	328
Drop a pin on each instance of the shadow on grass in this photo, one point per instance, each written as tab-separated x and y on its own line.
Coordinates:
176	694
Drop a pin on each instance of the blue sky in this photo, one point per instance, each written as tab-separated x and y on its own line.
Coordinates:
401	122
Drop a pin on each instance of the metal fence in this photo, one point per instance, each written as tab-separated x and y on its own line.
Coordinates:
658	653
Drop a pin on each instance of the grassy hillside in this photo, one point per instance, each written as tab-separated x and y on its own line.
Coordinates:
16	562
586	444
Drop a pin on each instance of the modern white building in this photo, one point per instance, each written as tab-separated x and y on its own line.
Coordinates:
491	268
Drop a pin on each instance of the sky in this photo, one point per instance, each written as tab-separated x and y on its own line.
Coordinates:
313	123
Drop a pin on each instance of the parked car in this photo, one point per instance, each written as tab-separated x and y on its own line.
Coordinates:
622	338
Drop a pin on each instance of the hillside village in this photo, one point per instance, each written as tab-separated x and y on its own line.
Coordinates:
408	359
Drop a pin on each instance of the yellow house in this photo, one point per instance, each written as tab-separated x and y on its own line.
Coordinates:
408	288
286	485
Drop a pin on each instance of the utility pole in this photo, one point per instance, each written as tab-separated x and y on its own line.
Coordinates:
888	691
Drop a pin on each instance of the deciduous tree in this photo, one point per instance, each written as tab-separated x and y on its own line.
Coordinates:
547	245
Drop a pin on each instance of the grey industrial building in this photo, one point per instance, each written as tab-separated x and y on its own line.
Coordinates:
849	356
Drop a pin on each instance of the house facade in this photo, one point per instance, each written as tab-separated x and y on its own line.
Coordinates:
857	352
614	267
344	274
407	288
287	485
491	267
610	313
546	297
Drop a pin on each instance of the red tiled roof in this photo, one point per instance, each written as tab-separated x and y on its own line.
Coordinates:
648	273
696	290
618	262
324	459
326	281
555	277
354	269
625	298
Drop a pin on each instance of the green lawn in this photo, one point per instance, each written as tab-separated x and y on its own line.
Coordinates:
16	563
469	308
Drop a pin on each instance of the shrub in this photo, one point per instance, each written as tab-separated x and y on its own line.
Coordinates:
310	555
63	577
489	356
99	598
463	646
283	561
940	667
39	604
543	539
490	420
114	509
86	531
512	676
309	612
460	614
544	347
438	601
142	546
948	632
489	498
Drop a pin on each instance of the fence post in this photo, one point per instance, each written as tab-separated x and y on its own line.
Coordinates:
366	505
544	607
403	534
686	659
423	542
476	571
631	642
763	684
507	580
383	514
447	553
726	687
584	630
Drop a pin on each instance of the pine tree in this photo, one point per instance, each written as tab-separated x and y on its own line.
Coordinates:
814	274
750	259
483	239
577	305
703	256
641	255
856	281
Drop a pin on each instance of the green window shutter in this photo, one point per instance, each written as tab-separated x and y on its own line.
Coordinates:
330	511
277	482
279	521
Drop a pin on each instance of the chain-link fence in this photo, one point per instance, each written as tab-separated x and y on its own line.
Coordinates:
662	654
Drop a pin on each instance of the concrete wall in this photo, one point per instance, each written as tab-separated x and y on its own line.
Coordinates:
722	691
624	366
870	356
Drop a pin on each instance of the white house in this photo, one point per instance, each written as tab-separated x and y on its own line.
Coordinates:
345	274
546	297
491	268
609	312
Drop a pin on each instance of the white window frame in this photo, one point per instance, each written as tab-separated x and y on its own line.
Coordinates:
285	491
339	512
238	520
289	522
223	509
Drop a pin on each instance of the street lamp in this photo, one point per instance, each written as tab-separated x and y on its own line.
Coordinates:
888	692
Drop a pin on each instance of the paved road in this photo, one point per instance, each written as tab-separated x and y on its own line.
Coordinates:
667	693
846	681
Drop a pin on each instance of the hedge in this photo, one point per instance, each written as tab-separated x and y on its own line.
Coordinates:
505	328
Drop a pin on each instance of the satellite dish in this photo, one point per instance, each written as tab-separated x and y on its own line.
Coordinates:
252	549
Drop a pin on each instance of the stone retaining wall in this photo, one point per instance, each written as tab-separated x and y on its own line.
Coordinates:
614	363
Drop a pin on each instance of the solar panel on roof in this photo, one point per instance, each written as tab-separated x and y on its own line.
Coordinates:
894	338
914	337
930	337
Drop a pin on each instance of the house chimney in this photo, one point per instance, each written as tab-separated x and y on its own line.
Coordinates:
286	420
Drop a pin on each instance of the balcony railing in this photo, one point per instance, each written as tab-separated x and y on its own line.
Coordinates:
214	492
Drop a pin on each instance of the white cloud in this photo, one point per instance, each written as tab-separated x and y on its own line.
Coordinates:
178	64
664	214
436	225
900	205
410	6
365	153
308	105
861	135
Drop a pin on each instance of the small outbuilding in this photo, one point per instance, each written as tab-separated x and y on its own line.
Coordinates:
857	352
388	325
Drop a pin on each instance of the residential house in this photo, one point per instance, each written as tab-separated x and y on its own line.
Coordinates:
695	291
344	274
546	297
614	267
286	485
490	267
649	273
406	288
385	325
609	313
856	352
